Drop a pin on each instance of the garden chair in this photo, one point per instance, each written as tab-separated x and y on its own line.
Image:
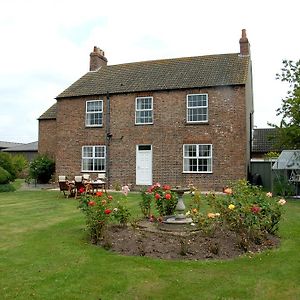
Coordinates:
101	176
79	184
101	179
65	186
86	177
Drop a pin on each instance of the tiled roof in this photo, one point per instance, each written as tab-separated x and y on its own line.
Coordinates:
4	145
166	74
49	114
264	140
23	147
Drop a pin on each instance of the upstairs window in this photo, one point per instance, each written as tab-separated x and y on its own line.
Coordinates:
144	110
93	158
94	111
197	158
197	108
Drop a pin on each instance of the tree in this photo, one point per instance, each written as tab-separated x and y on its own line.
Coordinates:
289	128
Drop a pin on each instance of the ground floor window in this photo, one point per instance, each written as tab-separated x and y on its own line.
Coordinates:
93	158
197	158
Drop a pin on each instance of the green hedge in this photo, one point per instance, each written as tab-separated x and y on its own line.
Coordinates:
8	187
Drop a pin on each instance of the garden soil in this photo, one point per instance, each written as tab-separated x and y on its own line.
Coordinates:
153	240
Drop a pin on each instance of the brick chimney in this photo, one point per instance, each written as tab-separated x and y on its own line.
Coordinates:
244	44
97	59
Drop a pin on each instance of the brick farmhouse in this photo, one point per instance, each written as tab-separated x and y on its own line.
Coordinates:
175	121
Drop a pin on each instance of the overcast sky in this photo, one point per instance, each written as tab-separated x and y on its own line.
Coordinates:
45	46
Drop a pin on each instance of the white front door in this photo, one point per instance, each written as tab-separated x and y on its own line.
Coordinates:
143	165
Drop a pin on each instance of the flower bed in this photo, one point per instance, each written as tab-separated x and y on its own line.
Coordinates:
244	216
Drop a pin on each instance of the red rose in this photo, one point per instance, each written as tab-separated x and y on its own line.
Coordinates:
166	187
109	197
91	203
81	190
157	196
168	196
99	194
255	209
107	211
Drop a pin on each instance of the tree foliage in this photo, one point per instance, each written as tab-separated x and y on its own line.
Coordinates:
13	164
289	129
20	164
4	176
6	162
42	168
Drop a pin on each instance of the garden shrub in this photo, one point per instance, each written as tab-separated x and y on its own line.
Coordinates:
8	187
6	162
42	168
248	210
101	210
145	203
206	222
165	200
4	176
20	165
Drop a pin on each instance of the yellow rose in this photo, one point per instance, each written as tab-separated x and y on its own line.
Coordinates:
231	206
281	201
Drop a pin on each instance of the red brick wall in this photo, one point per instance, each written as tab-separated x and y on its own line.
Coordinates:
47	138
226	130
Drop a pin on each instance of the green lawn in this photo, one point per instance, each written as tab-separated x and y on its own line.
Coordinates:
45	254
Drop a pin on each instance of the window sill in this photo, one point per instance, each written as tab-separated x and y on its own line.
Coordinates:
93	126
188	172
89	171
143	124
196	123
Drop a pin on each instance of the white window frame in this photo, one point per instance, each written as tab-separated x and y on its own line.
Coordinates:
138	110
198	158
93	112
93	157
188	108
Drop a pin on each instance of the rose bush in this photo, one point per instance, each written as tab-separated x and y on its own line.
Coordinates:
205	221
164	199
101	210
248	210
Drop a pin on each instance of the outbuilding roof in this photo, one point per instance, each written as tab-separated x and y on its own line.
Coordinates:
265	140
165	74
23	148
4	145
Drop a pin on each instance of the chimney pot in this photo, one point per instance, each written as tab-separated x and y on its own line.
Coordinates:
97	59
244	44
